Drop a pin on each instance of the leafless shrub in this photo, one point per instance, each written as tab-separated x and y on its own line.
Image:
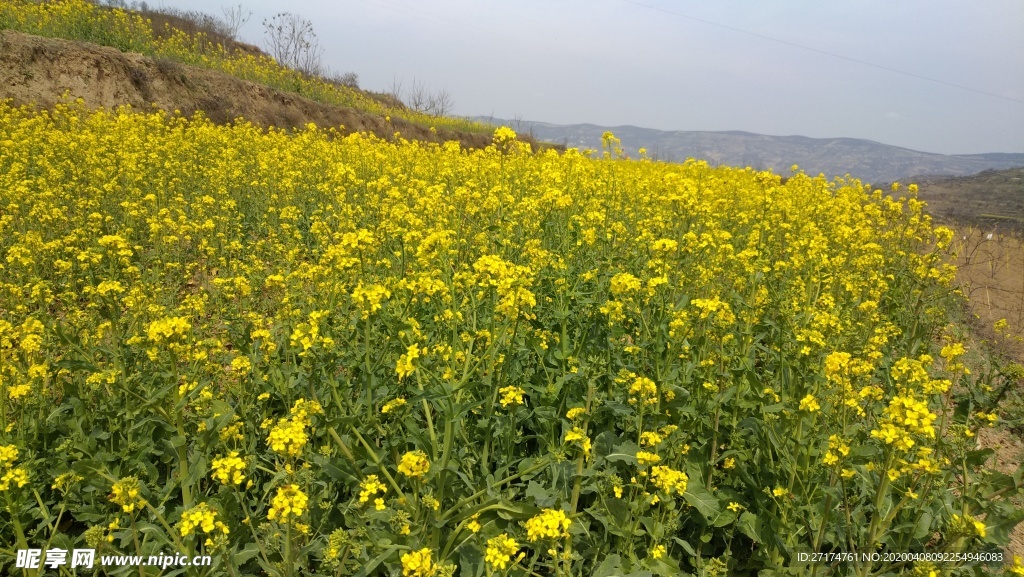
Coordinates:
292	41
421	98
349	79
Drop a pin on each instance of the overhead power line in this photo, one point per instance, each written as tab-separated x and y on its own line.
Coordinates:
820	51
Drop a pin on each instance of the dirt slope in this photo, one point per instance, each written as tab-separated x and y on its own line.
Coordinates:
39	70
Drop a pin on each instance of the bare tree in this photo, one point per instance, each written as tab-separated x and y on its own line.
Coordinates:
418	96
421	98
293	43
440	103
396	90
234	18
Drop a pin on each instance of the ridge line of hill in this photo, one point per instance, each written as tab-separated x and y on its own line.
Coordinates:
868	160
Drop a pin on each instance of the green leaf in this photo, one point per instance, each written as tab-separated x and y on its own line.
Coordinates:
1001	482
724	517
702	500
615	518
978	458
1000	523
471	562
923	526
376	561
624	452
240	558
541	496
686	546
604	444
610	567
748	525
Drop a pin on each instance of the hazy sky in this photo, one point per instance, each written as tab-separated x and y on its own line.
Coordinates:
865	69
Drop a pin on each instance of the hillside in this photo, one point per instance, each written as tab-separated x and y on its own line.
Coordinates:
870	161
40	70
993	199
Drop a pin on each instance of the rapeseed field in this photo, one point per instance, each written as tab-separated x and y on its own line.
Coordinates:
312	354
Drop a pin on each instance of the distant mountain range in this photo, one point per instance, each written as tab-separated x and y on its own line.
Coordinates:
869	161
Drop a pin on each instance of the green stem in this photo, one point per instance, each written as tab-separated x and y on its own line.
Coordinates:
287	549
182	450
373	457
430	421
876	518
451	512
22	542
252	530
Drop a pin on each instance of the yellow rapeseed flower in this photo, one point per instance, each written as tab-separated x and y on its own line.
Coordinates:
548	524
229	470
418	563
289	502
414	464
499	552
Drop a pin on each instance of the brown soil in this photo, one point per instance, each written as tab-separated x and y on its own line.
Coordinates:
36	70
990	272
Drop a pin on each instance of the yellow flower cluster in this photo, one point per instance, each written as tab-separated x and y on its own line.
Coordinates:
809	404
511	396
369	299
414	464
419	563
11	475
905	416
499	552
64	481
952	353
201	518
837	449
126	494
369	487
168	329
548	524
289	502
643	390
288	437
392	405
503	134
968	525
669	480
579	436
229	470
647	458
574	413
404	366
